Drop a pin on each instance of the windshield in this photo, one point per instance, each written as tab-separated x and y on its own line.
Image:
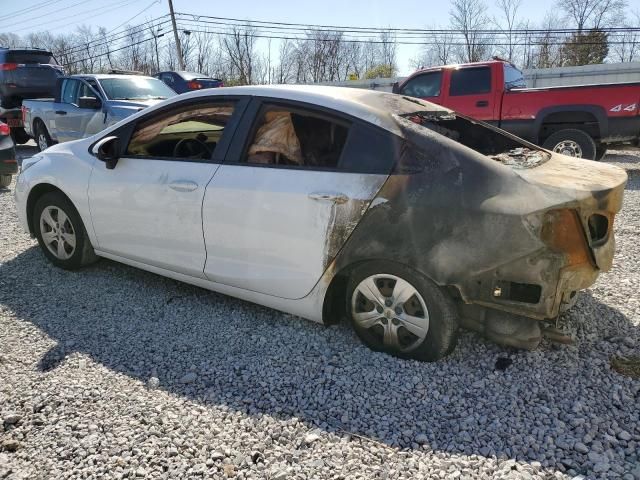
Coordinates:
135	88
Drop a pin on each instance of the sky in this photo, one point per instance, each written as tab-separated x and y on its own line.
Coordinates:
60	16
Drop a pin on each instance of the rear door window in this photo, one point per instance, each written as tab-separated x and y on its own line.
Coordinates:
513	78
470	81
292	137
424	85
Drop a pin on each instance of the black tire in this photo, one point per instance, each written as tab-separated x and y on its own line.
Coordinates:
19	136
442	332
83	253
601	151
5	181
42	136
583	140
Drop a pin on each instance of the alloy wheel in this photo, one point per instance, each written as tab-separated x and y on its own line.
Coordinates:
568	147
57	232
392	309
42	142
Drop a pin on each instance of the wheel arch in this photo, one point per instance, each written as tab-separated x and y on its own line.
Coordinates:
590	118
335	301
36	193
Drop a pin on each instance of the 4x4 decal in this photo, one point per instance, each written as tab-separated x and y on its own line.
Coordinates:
620	107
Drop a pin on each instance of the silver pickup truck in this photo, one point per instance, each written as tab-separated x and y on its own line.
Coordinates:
87	104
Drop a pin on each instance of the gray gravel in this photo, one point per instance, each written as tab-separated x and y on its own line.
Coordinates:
112	372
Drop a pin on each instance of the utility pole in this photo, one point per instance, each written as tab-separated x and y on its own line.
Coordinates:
177	37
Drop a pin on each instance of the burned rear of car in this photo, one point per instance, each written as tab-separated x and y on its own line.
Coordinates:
511	231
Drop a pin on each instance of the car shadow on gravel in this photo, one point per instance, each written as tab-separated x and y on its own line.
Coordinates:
223	352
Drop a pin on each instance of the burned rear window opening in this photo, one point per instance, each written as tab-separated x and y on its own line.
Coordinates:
491	143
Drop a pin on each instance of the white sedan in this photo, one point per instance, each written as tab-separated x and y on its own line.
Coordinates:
327	202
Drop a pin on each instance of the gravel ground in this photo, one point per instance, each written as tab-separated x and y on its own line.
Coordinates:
112	372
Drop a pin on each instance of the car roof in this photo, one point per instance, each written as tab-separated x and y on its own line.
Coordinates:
368	105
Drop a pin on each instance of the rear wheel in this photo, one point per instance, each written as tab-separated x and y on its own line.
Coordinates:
572	142
43	140
61	233
401	312
5	180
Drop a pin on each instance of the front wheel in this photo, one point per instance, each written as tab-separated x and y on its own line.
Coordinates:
43	140
399	311
572	142
61	233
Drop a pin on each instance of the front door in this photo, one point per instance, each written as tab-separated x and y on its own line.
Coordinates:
470	92
149	207
73	122
280	208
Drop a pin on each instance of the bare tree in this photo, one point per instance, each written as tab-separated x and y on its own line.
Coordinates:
627	48
470	16
592	13
508	23
240	51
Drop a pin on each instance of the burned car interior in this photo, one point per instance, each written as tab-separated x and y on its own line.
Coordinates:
296	138
191	133
481	138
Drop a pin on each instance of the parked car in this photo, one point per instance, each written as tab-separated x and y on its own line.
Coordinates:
182	82
327	201
24	73
8	162
86	104
581	121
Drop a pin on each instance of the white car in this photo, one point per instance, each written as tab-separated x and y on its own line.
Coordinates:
325	202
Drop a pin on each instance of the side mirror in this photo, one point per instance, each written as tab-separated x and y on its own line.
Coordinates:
396	87
89	102
107	150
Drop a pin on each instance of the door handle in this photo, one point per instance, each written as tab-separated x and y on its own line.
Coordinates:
183	186
61	112
329	197
482	103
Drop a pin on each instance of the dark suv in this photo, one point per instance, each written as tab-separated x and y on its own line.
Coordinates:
26	73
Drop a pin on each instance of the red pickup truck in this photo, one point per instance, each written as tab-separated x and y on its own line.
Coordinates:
581	121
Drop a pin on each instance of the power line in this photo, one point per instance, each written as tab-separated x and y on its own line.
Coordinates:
92	13
118	36
46	14
27	10
401	41
136	15
309	26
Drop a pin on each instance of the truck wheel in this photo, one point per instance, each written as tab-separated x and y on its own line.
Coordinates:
43	140
396	310
601	151
5	180
19	136
572	142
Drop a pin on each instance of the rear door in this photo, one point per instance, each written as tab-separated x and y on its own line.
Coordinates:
287	197
471	92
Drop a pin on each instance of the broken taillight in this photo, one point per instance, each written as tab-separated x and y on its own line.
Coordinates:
563	232
4	129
